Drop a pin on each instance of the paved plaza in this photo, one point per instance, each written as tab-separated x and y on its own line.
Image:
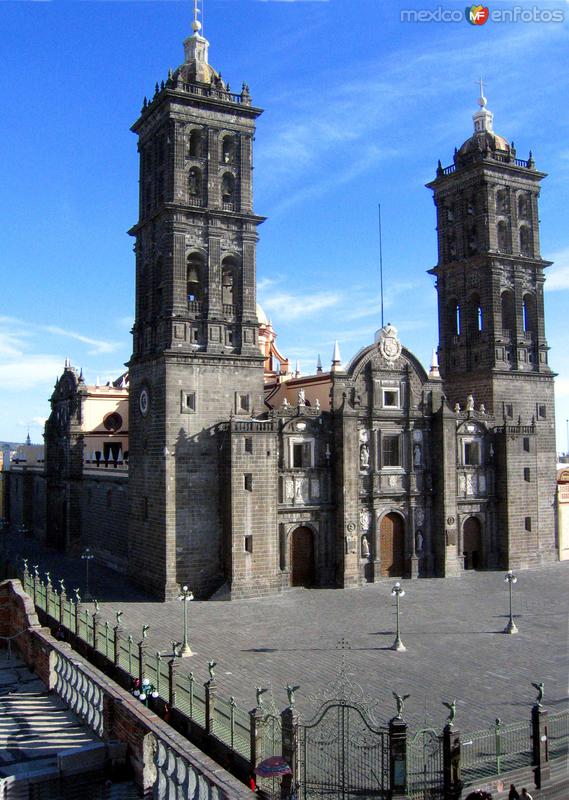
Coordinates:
452	630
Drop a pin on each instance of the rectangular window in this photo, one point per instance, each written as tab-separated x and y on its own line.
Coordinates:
390	451
248	444
528	523
471	454
509	410
248	544
242	403
194	335
391	398
527	475
301	454
189	403
248	482
541	412
526	444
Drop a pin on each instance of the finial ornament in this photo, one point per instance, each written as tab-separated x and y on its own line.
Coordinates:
540	691
196	24
400	700
482	101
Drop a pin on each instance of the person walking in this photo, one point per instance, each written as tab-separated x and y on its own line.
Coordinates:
513	794
525	795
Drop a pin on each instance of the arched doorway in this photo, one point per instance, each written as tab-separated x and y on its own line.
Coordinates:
302	557
392	546
472	543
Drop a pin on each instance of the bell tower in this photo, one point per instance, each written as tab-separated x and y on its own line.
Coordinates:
196	359
492	345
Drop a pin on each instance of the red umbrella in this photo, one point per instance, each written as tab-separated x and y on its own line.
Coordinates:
273	767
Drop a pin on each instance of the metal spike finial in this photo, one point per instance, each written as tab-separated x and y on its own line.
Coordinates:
196	24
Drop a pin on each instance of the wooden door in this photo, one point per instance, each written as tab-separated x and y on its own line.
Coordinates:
472	543
392	546
302	557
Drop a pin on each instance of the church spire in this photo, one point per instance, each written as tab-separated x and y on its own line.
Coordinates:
483	119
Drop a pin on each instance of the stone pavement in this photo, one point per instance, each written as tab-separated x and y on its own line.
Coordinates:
452	630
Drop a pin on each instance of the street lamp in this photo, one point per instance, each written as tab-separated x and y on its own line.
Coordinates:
87	556
510	579
185	596
397	592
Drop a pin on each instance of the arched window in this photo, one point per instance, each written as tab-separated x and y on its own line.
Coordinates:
502	201
228	149
529	313
476	316
228	273
472	239
228	188
525	241
454	317
503	236
508	311
196	143
195	268
195	184
523	206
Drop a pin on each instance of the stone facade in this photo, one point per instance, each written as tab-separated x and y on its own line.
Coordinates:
240	476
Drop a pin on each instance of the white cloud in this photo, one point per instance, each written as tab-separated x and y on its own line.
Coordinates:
29	372
289	306
99	345
557	277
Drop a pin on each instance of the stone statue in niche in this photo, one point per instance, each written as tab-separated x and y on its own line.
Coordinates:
417	455
365	547
365	519
364	456
301	397
419	541
470	403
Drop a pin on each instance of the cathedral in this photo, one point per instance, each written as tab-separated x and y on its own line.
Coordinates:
227	472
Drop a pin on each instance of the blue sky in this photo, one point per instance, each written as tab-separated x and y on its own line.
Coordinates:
358	108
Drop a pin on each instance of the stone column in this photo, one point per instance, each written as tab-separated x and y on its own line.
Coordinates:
540	745
451	763
414	562
375	546
398	758
255	719
289	720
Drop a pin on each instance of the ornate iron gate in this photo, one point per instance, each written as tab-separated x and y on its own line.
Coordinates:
425	765
342	754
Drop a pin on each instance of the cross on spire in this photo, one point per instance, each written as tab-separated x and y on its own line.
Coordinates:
196	24
481	100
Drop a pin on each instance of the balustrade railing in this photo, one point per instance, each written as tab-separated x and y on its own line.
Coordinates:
83	696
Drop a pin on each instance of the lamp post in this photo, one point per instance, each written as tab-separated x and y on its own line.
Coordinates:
185	596
87	556
398	591
510	579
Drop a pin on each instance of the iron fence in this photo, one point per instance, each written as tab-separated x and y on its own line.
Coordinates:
558	734
493	751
